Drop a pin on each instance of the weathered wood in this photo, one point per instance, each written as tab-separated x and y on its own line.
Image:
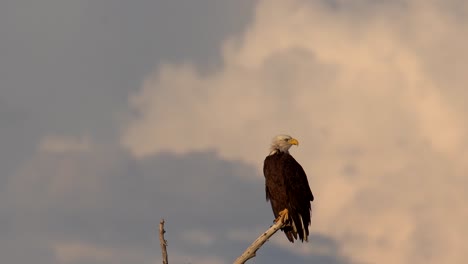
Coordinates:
163	242
251	251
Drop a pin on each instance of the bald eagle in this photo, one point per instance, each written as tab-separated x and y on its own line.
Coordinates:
287	188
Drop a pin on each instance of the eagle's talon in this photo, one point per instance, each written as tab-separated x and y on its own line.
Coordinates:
284	215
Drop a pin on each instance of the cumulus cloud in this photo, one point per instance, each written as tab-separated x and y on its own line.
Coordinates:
372	90
56	144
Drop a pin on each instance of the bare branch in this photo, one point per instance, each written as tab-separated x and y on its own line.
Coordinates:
250	252
163	241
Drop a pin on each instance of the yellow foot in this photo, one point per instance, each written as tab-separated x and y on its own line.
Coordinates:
283	215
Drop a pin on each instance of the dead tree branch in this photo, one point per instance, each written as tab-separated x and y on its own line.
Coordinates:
163	241
250	252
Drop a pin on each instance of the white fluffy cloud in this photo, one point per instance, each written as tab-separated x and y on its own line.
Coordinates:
374	93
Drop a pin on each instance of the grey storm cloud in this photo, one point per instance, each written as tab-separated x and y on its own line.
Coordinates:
103	206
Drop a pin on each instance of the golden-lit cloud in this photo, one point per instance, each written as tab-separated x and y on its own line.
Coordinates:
368	90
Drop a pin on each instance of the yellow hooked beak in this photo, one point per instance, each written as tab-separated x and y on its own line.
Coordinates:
293	141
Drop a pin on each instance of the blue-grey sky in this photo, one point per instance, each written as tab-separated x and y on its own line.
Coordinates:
68	66
114	114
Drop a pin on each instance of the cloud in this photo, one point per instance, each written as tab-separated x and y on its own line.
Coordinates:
64	144
199	237
102	206
69	252
372	91
269	84
181	258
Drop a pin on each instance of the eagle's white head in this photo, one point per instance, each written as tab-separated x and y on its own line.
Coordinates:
282	143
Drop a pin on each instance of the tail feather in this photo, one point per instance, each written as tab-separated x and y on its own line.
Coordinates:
305	232
290	234
296	228
290	237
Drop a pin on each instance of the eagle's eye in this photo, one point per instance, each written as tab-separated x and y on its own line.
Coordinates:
286	139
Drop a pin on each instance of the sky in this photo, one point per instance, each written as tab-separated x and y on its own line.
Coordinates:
115	114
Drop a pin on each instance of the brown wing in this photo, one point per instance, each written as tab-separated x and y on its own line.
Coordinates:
275	184
287	187
299	194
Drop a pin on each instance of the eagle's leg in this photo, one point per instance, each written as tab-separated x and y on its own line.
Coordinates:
283	215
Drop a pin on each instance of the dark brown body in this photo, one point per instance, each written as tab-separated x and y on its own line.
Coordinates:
287	187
